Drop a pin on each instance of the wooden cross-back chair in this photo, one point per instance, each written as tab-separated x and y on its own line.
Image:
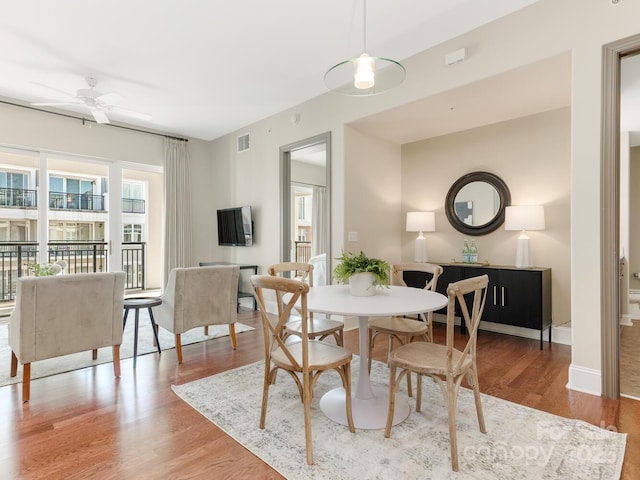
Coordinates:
402	329
317	328
305	360
447	365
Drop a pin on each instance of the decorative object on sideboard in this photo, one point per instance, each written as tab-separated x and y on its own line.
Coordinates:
475	203
523	218
364	75
420	222
469	253
352	265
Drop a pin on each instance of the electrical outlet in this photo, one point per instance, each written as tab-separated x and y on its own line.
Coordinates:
353	236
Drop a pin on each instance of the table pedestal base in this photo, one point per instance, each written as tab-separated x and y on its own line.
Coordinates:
367	414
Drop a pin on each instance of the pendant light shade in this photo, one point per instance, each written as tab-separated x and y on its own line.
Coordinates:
364	75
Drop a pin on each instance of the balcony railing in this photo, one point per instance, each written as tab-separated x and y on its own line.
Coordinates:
76	201
81	257
132	205
18	197
134	261
303	252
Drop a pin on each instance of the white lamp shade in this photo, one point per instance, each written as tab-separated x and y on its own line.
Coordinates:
421	222
524	217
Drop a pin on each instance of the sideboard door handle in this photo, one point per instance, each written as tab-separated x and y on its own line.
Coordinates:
502	296
495	295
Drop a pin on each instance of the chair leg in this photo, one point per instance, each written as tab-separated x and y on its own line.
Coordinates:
265	394
452	397
347	388
116	360
392	400
178	348
232	334
26	382
206	329
14	364
306	399
418	393
476	394
94	354
371	340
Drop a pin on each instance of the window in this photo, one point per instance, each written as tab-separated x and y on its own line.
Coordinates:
132	233
133	190
71	231
56	184
14	180
14	231
73	185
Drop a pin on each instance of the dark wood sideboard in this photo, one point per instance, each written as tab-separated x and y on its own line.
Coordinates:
516	296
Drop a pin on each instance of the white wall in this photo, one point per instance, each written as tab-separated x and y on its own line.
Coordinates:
26	128
532	155
545	29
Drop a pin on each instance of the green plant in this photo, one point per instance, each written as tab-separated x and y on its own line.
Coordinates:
47	269
351	263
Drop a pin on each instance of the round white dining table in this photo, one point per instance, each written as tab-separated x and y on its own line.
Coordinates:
369	402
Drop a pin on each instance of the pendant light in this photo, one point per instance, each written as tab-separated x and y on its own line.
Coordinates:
364	75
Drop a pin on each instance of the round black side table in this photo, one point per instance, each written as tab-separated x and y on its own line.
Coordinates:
136	304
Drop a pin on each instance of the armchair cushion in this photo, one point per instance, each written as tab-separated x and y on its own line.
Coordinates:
66	314
199	296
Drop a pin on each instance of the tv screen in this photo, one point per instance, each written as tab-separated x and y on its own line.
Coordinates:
235	227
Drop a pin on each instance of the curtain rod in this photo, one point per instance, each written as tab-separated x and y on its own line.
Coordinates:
93	121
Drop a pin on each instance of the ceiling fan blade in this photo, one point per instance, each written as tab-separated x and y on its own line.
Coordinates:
130	113
99	116
109	98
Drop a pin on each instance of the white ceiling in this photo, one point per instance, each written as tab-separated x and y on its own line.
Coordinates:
534	88
204	68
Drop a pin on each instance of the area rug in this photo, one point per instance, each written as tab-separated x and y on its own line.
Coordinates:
520	443
75	361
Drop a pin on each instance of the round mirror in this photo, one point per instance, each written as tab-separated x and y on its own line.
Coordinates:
476	202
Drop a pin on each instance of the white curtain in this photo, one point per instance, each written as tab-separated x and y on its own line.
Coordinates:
319	219
177	206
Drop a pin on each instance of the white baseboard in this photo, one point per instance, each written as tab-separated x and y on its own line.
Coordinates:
585	380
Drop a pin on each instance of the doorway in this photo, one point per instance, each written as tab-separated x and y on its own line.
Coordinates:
610	219
305	204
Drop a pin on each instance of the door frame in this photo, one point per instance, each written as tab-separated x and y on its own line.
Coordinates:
612	54
285	193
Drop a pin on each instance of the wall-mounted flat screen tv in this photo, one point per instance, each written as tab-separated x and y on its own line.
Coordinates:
235	227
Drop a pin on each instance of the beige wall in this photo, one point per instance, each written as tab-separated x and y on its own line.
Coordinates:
140	155
373	193
532	155
545	29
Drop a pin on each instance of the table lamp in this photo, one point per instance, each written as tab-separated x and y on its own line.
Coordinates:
523	218
421	222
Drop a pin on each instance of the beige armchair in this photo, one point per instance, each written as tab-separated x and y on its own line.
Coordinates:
199	297
65	314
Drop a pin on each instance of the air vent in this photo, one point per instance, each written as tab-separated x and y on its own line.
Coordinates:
243	143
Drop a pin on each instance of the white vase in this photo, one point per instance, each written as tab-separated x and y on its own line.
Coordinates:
362	284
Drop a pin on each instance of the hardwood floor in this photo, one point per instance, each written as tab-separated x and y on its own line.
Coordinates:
86	424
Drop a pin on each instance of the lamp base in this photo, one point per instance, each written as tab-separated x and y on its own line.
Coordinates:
523	252
420	251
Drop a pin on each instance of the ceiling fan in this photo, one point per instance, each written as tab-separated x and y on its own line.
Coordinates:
98	103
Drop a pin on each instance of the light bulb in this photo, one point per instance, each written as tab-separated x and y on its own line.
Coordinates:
364	75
